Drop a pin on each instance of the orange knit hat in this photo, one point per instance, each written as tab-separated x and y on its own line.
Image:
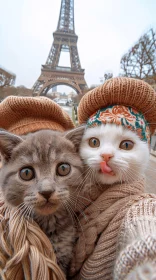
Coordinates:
120	91
21	115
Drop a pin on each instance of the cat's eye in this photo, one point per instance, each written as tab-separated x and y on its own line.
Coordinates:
94	142
126	145
63	169
27	173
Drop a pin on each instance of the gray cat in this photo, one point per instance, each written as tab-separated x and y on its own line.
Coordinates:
40	172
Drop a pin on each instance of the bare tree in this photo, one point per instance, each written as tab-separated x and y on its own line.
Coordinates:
140	61
4	81
6	78
106	76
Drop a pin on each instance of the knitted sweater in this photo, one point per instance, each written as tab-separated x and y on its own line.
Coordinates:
96	248
137	243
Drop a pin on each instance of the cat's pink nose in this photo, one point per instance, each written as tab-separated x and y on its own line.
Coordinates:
107	157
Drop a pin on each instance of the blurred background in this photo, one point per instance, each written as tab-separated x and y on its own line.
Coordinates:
63	48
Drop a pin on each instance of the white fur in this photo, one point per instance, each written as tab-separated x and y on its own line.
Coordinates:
128	165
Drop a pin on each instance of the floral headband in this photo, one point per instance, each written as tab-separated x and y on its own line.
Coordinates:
121	115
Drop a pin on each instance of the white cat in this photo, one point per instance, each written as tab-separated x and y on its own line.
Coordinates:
114	153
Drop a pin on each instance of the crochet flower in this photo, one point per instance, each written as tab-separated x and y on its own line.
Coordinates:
122	112
109	117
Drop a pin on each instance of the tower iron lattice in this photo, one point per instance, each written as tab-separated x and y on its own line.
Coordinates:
65	39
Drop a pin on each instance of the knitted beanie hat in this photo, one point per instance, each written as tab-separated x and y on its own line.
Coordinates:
22	115
120	91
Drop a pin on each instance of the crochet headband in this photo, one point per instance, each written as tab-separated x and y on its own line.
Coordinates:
122	115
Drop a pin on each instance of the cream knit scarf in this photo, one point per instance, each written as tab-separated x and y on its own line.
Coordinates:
96	246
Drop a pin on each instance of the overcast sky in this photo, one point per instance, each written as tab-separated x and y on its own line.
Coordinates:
106	30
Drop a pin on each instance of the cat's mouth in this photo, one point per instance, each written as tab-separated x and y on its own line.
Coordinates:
47	208
106	169
47	204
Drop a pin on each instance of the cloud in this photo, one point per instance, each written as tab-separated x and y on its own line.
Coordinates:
106	30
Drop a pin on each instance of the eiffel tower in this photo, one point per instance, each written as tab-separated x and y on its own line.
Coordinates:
65	39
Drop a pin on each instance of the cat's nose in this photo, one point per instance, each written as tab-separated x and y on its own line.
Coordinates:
46	194
107	157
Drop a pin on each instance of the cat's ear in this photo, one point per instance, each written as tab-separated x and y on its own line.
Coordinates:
8	142
75	135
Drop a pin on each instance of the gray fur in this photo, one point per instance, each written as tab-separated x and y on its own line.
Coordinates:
43	151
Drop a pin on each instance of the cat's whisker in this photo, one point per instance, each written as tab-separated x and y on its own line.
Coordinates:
83	180
149	169
10	210
80	198
133	171
120	171
131	176
15	215
26	211
29	218
81	185
19	212
81	212
75	217
91	185
89	200
70	211
146	165
18	209
137	163
12	225
129	160
84	172
126	178
22	212
121	180
95	179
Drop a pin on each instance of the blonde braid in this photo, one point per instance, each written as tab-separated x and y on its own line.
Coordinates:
25	251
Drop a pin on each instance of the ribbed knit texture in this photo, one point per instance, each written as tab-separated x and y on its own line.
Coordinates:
95	251
137	243
120	91
22	115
